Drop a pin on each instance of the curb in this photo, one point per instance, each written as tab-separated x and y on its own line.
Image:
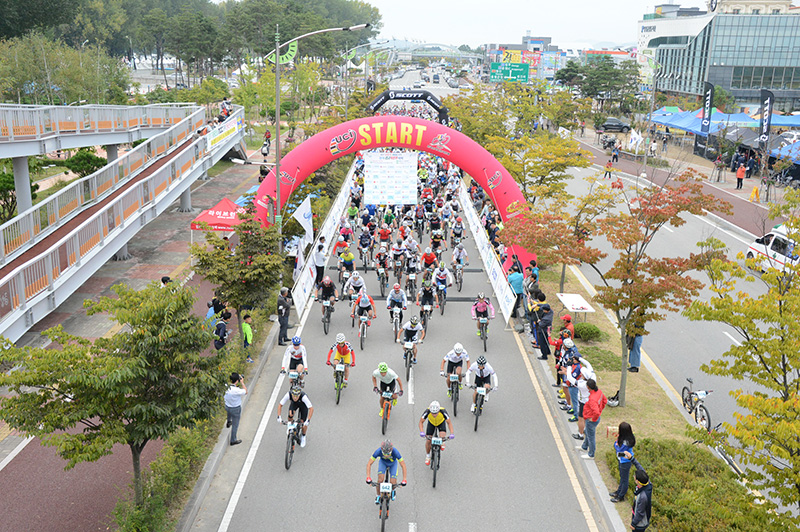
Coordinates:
209	471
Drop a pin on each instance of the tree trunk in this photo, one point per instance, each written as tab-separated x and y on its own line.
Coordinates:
624	374
563	276
138	489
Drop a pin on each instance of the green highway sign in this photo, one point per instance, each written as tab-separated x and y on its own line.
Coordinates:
509	72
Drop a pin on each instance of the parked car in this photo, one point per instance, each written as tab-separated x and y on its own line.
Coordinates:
615	124
417	85
773	250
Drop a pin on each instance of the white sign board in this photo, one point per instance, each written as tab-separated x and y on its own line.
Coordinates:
502	290
390	178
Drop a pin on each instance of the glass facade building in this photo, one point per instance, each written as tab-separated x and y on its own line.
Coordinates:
742	53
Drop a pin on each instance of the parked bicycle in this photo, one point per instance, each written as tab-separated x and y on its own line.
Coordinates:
693	403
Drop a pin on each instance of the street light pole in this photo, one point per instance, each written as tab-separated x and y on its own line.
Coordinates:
650	114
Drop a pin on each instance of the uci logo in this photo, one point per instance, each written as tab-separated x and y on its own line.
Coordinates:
495	180
287	178
342	143
439	143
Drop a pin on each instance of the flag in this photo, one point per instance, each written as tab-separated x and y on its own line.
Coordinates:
767	101
298	267
303	215
708	105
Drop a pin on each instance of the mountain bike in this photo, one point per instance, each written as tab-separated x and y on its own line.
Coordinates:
388	494
442	296
420	224
436	454
294	431
362	330
396	321
366	256
425	316
294	378
338	380
479	401
408	355
398	269
382	280
459	276
484	329
388	402
455	386
693	403
345	275
411	283
326	316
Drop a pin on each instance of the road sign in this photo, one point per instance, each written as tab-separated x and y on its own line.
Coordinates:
509	72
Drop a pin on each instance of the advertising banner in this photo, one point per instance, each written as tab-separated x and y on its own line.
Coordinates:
502	290
512	56
224	130
708	105
390	178
531	58
767	102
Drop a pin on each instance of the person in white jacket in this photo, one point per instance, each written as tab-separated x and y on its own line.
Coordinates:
485	376
295	358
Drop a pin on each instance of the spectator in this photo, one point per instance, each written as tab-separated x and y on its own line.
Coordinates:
584	375
615	154
608	168
635	341
751	167
247	334
592	411
515	280
233	405
534	268
740	173
516	262
642	497
284	307
221	331
624	444
319	264
567	319
165	281
530	286
541	322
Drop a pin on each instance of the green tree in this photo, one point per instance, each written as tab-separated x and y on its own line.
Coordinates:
767	424
8	196
724	100
571	74
563	110
139	385
17	17
85	162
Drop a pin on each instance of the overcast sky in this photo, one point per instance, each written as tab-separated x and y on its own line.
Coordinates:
475	22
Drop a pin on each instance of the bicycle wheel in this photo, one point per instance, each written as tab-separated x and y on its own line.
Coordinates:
382	282
338	386
484	336
387	407
454	395
326	322
425	321
686	397
435	464
287	461
384	512
460	282
409	355
478	409
442	303
703	417
362	333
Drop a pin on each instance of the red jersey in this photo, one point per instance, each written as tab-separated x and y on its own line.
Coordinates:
385	234
428	258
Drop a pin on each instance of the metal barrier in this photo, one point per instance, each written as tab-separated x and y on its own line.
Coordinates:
24	230
29	122
53	267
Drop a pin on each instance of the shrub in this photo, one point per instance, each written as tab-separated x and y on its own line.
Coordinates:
694	490
587	332
601	359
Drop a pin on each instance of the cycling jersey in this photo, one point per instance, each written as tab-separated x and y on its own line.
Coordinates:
451	356
483	376
437	419
426	294
389	217
352	211
343	352
398	297
482	306
327	292
296	354
346	233
459	255
378	454
302	404
397	251
412	328
353	283
339	245
428	259
348	257
389	378
441	275
365	240
436	241
458	229
381	259
385	234
365	301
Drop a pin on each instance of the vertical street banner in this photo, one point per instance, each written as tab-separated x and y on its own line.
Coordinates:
708	105
390	178
767	101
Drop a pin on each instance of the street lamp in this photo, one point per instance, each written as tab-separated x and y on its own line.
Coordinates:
278	46
652	107
347	74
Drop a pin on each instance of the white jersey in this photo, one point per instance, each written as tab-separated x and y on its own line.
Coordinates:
487	371
297	353
390	376
409	327
459	254
303	399
354	283
399	296
442	276
451	356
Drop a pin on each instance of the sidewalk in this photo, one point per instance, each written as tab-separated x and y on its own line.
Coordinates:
37	493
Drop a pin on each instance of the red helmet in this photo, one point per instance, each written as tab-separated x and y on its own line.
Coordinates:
459	219
396	286
566	317
326	280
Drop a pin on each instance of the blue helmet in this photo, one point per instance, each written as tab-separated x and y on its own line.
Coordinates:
296	340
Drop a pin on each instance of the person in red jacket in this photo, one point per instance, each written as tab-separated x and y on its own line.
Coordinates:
591	413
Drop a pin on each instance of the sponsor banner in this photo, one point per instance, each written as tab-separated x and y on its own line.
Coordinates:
503	293
511	56
304	285
390	178
531	58
708	105
225	130
767	102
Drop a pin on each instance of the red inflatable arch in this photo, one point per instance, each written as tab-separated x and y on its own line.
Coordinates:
394	131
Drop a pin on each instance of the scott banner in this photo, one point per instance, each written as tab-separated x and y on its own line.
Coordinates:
708	106
767	101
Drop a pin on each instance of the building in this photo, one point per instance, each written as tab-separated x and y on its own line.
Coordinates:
543	57
618	56
740	45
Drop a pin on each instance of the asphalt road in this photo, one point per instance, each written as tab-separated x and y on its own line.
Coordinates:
512	468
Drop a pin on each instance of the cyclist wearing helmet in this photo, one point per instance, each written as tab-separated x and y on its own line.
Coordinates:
427	294
326	291
396	298
298	403
389	382
442	277
344	352
484	376
437	240
428	259
436	221
340	246
456	359
295	356
458	228
439	201
381	258
354	284
410	244
347	232
412	331
388	457
365	241
352	212
364	303
398	250
436	417
481	309
384	234
411	263
388	217
460	255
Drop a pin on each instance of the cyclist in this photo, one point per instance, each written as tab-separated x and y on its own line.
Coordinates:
365	242
439	201
340	246
364	303
481	309
352	213
485	376
454	206
346	260
365	217
460	255
347	231
388	217
396	298
345	353
456	359
353	284
419	214
398	250
412	331
298	401
389	382
385	234
437	240
458	228
381	258
442	276
428	259
427	294
411	244
435	221
388	457
446	213
436	417
326	291
411	262
295	355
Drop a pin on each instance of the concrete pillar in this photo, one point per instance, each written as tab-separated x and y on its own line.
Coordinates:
123	254
111	152
186	201
22	184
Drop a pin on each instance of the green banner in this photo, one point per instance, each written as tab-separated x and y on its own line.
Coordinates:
288	57
509	72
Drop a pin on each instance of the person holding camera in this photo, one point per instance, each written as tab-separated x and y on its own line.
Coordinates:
233	405
624	444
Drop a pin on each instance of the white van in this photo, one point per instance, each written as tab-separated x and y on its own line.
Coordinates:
774	249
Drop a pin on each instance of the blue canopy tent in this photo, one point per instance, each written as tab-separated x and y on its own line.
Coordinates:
791	152
244	199
786	120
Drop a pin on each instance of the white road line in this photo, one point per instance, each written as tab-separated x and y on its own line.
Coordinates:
717	227
251	455
15	452
738	344
412	527
411	389
667	228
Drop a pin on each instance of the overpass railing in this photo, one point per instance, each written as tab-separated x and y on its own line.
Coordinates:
48	269
32	225
30	122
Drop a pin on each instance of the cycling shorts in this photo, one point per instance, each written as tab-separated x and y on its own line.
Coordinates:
348	266
426	300
346	359
391	467
482	313
409	336
451	366
362	310
431	428
294	362
388	386
301	406
483	381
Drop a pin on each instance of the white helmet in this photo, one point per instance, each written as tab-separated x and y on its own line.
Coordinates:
356	275
341	239
427	250
568	343
383	249
458	348
347	225
340	338
435	407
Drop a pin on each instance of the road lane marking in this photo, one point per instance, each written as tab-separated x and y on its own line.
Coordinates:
717	227
412	527
732	339
571	473
411	387
15	452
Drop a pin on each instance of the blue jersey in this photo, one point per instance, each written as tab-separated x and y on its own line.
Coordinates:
395	456
371	209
